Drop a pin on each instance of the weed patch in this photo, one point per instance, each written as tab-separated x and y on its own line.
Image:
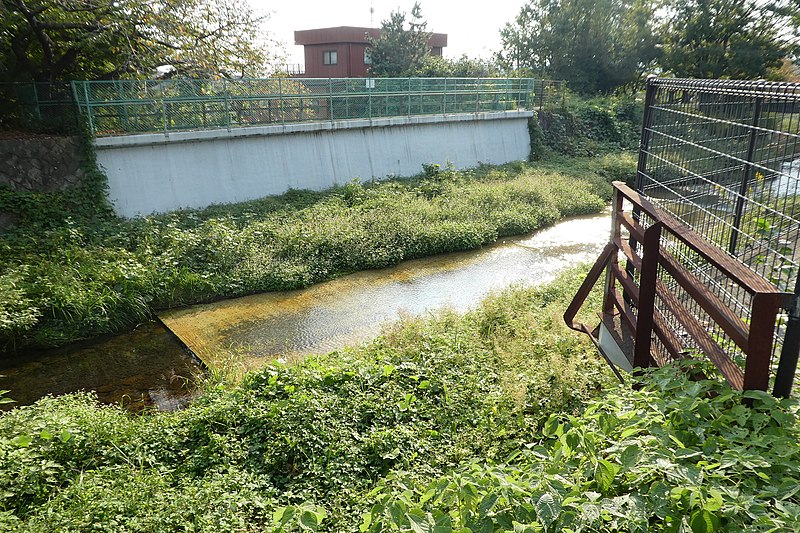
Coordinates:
73	273
304	444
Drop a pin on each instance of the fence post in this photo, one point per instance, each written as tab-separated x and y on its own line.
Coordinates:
330	98
88	107
647	123
787	365
36	100
748	171
759	343
280	98
409	97
647	295
227	105
477	95
444	98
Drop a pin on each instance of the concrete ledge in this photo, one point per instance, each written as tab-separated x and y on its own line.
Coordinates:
149	139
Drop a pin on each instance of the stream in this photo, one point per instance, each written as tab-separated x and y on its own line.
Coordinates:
150	367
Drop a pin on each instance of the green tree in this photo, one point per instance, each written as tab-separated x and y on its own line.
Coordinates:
722	39
463	67
46	40
402	45
595	45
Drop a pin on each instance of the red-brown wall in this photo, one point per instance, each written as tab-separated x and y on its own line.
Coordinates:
349	44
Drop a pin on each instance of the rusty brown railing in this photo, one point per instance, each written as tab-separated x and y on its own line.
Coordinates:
656	309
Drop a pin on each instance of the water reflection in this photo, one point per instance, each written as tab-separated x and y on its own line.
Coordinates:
354	308
144	367
149	367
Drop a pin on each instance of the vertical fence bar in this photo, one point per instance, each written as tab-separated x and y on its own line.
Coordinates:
36	101
608	303
444	98
641	167
647	123
227	105
746	175
790	351
330	98
408	95
759	344
647	296
280	99
89	111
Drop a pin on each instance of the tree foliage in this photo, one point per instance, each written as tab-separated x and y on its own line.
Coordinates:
402	46
722	39
463	67
595	45
43	40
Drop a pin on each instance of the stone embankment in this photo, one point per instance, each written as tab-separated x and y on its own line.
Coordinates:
38	163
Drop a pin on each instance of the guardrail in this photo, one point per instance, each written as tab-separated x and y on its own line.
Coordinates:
36	106
148	106
680	296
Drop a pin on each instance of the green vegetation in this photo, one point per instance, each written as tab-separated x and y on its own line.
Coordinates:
490	421
608	46
70	272
428	396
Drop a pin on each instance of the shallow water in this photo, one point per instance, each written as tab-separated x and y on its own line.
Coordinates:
353	308
149	367
144	367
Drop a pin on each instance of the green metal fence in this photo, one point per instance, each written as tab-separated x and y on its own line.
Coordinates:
37	106
146	106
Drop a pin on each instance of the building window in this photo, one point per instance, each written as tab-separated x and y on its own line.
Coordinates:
367	57
330	57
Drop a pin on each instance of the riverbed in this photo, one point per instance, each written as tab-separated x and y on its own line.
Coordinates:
156	367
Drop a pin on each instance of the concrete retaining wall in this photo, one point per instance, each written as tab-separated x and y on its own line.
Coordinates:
163	172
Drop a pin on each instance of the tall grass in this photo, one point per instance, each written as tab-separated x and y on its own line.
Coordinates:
71	277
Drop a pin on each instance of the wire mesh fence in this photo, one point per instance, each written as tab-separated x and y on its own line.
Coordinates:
146	106
37	106
723	157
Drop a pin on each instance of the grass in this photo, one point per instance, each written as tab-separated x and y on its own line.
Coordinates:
318	436
66	277
497	420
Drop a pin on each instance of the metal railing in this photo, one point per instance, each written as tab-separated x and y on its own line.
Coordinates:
660	307
147	106
723	157
35	105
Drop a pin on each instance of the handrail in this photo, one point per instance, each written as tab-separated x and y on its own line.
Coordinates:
653	301
124	107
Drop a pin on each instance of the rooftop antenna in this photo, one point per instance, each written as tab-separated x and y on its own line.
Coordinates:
371	12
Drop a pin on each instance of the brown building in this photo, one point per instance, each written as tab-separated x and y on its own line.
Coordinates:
341	52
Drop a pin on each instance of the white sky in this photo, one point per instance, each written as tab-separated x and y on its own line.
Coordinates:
472	28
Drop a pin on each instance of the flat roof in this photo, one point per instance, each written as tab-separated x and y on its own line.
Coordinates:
352	34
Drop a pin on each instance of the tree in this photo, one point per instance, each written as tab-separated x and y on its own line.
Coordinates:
400	51
463	67
46	40
722	39
595	45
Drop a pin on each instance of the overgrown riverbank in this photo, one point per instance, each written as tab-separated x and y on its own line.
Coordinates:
67	277
501	419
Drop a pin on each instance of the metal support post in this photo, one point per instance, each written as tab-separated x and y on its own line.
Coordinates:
746	176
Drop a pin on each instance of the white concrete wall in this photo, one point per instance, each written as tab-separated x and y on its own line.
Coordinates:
163	172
